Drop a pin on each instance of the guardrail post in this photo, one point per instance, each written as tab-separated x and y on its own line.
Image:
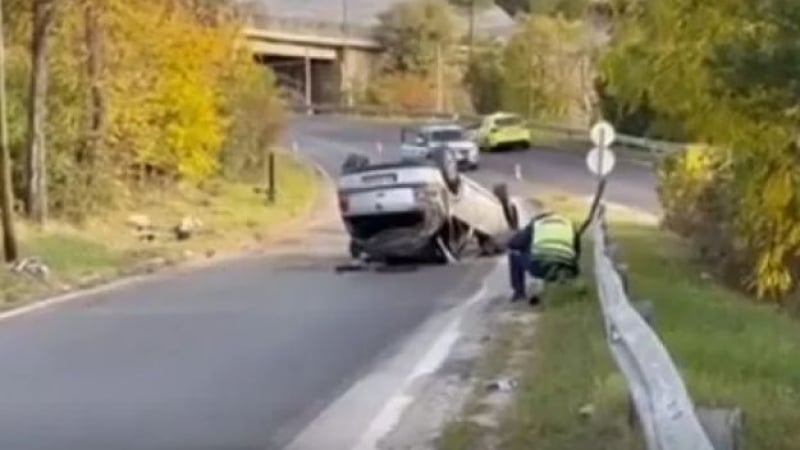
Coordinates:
271	168
724	427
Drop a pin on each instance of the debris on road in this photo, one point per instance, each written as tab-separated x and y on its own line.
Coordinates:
501	385
187	227
586	411
33	267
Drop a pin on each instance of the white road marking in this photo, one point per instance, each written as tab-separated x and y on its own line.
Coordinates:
64	298
385	421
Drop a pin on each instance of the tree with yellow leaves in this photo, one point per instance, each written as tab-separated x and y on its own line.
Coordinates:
125	89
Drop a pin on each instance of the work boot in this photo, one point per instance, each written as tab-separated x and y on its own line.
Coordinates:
517	297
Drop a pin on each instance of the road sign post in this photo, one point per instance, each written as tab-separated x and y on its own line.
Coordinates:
601	159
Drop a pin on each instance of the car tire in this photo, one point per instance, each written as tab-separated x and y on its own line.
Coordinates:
449	243
488	246
509	209
513	216
355	250
354	162
449	169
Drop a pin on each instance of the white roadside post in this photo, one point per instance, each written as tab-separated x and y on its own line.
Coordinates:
601	159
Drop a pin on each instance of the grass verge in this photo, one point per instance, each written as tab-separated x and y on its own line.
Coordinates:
731	351
233	218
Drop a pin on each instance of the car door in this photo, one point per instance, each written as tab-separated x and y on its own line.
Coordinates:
414	144
479	208
515	129
484	130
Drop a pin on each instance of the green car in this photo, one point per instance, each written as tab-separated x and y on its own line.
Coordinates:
503	130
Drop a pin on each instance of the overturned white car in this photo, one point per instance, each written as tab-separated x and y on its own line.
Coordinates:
421	209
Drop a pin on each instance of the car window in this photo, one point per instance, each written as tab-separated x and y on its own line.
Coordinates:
510	121
447	135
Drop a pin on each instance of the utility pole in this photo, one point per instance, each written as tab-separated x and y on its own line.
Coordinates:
10	251
471	30
308	81
439	79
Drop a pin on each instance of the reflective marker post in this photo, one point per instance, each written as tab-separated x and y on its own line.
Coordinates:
601	160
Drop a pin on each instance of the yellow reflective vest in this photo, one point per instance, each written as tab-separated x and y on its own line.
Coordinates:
553	238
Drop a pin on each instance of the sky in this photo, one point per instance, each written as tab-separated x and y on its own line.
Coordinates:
360	11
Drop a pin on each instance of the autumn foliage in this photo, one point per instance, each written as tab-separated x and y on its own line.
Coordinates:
174	96
725	72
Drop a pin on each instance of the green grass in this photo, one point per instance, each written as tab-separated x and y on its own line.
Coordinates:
233	216
731	350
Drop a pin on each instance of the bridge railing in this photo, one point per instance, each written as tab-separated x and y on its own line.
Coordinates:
310	26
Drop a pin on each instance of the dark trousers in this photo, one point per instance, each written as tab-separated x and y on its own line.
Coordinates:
519	263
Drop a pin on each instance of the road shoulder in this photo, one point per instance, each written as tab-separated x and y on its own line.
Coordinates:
230	221
559	387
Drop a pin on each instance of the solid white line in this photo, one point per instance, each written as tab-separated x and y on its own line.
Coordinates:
392	411
64	298
37	305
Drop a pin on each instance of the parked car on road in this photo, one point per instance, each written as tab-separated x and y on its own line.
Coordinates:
421	209
502	131
421	142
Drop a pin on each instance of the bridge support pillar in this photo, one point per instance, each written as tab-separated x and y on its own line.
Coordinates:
355	71
308	83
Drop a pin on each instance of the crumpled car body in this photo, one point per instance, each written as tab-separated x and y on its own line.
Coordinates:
406	209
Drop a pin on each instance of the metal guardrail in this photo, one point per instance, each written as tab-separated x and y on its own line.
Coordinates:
666	413
655	149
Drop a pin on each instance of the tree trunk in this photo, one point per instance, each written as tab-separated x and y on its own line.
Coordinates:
96	106
10	252
35	167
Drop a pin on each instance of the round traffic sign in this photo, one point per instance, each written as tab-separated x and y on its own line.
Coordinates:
601	163
602	134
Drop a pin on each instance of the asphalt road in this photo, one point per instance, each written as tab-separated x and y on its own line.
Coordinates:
239	356
631	183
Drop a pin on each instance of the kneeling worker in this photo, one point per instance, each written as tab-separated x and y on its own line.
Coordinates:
548	248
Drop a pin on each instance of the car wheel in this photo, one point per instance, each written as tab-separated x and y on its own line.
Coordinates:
513	216
355	250
488	246
509	209
354	162
450	242
449	168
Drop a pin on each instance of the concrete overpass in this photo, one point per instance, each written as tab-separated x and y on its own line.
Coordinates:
316	62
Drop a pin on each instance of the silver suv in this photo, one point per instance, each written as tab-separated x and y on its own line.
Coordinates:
421	142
